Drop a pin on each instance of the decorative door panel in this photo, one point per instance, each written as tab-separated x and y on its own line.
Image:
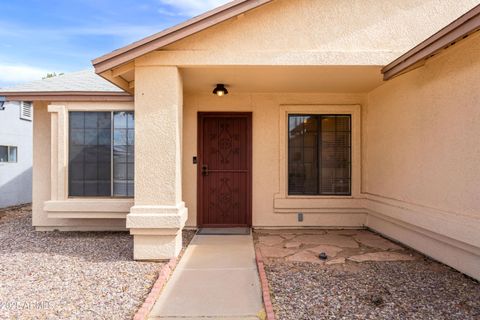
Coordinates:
224	169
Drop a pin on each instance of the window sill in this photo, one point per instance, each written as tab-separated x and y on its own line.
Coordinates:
318	204
319	196
89	208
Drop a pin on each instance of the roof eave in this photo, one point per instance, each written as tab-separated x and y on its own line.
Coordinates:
171	35
66	96
455	31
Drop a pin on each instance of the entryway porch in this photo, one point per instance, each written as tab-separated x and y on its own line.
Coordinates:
170	181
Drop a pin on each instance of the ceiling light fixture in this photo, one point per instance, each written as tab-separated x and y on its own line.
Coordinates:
220	90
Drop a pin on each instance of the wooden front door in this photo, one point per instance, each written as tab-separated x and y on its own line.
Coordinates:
224	169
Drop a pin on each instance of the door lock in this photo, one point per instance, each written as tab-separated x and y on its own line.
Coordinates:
205	170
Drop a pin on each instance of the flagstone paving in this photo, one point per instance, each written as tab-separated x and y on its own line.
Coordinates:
365	276
271	240
354	245
374	241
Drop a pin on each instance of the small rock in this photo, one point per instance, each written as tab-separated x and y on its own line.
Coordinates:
377	301
331	251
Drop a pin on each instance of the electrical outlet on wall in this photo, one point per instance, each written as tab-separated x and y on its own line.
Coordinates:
300	217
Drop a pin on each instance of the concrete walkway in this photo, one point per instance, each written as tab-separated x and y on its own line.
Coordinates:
216	278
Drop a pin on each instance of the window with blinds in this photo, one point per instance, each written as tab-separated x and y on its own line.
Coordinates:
101	154
123	153
319	155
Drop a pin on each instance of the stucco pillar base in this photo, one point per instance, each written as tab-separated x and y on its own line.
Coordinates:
157	231
156	247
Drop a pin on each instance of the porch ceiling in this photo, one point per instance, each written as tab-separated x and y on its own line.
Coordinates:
348	79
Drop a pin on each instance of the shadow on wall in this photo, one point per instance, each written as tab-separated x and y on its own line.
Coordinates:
17	190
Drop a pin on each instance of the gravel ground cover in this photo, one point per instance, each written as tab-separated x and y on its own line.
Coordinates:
72	275
351	284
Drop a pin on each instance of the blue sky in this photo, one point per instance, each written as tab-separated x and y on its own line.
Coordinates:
40	36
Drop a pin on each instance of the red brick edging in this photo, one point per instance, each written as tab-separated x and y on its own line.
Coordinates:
152	297
265	288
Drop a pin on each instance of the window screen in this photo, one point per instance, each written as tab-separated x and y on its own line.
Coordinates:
101	143
319	155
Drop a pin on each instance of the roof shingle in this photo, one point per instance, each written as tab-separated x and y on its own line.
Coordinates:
81	81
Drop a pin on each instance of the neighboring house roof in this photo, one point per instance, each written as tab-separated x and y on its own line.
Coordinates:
448	36
168	36
81	85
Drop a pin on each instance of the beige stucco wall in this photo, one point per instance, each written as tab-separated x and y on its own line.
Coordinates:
423	127
270	204
422	156
314	32
50	186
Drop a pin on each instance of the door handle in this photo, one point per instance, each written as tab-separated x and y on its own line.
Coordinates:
205	170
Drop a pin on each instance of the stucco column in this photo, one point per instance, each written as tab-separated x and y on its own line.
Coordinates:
159	214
